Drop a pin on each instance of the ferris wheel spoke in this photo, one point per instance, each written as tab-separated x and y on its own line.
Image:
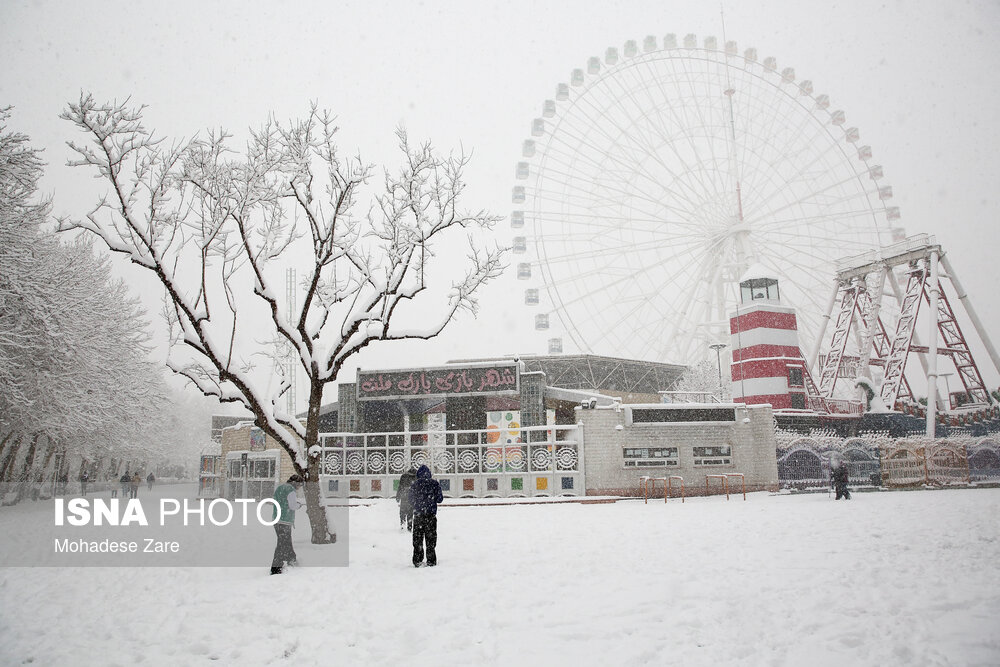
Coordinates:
633	152
604	222
761	190
837	222
599	286
667	103
604	251
582	138
768	214
698	109
568	159
776	112
634	194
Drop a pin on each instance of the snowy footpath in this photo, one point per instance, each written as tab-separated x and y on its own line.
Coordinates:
892	578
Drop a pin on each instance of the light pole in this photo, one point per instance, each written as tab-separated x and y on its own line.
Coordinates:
718	360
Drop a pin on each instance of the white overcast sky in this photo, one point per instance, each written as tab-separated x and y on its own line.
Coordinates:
918	77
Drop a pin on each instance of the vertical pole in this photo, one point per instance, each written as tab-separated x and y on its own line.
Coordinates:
932	348
718	361
814	355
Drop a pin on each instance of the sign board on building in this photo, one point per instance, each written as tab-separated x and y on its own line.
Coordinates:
257	441
481	380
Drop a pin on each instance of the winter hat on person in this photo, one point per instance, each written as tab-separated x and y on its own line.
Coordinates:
295	479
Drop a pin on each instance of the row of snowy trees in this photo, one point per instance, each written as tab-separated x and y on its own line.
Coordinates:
76	381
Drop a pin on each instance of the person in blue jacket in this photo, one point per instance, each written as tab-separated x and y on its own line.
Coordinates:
425	494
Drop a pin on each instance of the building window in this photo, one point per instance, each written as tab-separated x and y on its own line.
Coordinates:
650	457
795	376
713	456
798	401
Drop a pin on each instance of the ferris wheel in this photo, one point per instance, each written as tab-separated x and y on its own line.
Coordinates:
659	174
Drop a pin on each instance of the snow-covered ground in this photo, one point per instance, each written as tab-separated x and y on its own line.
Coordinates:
905	578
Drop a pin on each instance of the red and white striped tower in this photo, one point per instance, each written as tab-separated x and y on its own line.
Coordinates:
768	366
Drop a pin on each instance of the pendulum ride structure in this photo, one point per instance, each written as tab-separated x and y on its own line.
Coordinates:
915	273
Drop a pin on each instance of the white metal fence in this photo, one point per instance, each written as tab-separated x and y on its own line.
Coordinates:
529	461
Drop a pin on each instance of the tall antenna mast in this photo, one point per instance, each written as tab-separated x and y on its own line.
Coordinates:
744	252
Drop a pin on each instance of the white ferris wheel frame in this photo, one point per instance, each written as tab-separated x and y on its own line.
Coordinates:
656	177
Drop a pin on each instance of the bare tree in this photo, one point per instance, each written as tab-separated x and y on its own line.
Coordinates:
219	229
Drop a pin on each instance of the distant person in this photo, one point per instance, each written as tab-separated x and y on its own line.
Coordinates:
425	494
84	478
134	485
63	483
838	478
288	501
403	498
150	478
126	483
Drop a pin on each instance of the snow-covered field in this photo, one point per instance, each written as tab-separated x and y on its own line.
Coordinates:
905	578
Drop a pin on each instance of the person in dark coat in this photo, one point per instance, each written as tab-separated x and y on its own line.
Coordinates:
425	494
150	478
126	481
403	498
839	478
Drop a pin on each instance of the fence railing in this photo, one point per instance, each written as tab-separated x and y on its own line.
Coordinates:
468	456
805	461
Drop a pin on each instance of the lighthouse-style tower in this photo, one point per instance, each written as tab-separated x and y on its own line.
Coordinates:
768	366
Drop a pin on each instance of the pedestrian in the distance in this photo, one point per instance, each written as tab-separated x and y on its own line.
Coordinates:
150	478
288	501
126	482
134	485
403	498
838	478
84	478
425	494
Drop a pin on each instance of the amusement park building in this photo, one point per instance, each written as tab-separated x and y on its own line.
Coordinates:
502	428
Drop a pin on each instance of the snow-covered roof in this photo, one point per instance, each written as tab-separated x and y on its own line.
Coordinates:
756	271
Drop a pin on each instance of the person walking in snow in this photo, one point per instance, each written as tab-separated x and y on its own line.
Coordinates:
403	498
287	498
839	477
425	494
150	478
134	485
126	482
84	478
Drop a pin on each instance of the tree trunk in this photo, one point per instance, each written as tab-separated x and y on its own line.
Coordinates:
8	462
24	477
315	509
45	466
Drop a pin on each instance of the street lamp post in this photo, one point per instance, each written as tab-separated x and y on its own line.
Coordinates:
718	360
